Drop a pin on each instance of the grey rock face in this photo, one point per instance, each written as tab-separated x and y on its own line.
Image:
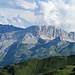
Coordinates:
29	39
50	33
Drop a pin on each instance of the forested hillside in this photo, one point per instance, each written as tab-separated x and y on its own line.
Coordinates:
58	65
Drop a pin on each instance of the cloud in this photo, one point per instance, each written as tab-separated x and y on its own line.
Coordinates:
8	4
24	13
20	22
59	13
16	21
26	5
3	20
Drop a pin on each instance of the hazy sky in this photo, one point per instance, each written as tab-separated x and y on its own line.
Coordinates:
24	13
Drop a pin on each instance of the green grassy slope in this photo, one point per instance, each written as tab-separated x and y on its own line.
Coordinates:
58	65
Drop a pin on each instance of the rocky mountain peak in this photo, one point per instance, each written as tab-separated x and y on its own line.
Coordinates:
50	33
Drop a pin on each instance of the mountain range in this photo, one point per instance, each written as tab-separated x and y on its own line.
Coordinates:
18	44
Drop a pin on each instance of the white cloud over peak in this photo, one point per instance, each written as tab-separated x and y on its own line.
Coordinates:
59	13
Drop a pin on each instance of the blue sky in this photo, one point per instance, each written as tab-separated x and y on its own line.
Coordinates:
24	13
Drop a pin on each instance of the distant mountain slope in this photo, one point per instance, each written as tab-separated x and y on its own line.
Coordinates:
17	44
58	65
8	28
19	52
